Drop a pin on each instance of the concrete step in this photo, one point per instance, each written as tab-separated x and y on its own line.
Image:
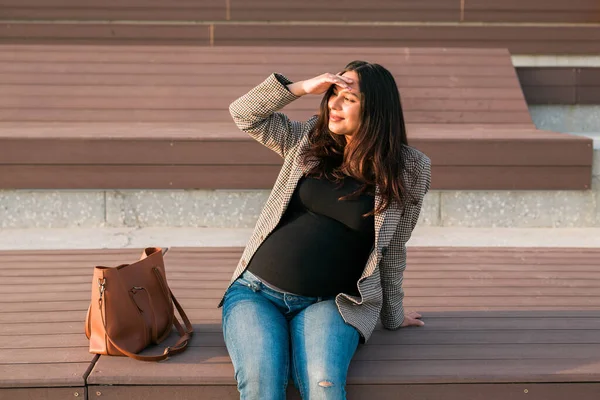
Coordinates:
423	236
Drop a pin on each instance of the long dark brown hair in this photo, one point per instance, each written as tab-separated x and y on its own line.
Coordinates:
374	155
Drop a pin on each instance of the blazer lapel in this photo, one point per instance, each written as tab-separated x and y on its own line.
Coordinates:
385	226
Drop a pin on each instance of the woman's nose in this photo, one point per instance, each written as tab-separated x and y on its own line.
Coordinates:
334	103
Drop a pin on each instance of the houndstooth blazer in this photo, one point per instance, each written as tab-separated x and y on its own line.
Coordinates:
380	285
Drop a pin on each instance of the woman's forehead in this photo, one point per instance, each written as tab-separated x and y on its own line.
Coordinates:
354	76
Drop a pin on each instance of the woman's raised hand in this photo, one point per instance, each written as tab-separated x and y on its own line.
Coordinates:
319	84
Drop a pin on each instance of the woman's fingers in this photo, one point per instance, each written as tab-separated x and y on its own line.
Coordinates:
340	80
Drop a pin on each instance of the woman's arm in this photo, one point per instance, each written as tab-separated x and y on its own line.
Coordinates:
256	111
394	261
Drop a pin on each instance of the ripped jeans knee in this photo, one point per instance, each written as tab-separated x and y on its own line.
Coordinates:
325	383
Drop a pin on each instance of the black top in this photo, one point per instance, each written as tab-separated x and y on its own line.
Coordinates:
321	245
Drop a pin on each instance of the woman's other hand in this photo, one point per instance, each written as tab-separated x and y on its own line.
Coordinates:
319	84
412	319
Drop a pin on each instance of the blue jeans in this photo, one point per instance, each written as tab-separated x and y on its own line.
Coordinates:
272	336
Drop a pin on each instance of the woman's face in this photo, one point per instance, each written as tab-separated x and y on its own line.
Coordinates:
344	108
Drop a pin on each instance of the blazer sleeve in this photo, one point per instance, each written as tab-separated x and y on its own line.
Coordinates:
255	113
394	260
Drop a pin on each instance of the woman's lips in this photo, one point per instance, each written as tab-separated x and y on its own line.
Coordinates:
335	118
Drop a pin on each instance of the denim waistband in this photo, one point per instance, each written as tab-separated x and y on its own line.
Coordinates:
251	278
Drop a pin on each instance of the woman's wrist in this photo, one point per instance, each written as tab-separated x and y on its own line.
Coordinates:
297	88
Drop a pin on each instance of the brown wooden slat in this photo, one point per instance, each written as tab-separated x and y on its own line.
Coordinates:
588	77
248	152
314	10
48	328
44	340
129	79
45	355
493	371
490	352
222	96
588	95
419	101
102	115
537	391
423	251
513	178
263	177
531	39
42	375
183	50
118	34
551	95
188	372
257	71
138	10
56	393
532	11
50	316
386	34
547	76
82	297
244	57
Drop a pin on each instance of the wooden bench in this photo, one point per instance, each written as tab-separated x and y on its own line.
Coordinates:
95	117
500	323
524	27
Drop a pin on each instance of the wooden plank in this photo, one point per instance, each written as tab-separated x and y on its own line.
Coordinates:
551	95
48	328
393	57
424	101
534	391
45	356
548	76
313	10
48	316
43	375
216	370
258	71
43	339
425	336
73	281
567	39
385	35
588	77
472	352
588	95
263	177
473	371
222	115
119	34
182	50
43	393
248	81
138	10
511	178
413	291
224	94
579	11
174	177
445	151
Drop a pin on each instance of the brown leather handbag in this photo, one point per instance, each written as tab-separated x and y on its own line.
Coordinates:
132	308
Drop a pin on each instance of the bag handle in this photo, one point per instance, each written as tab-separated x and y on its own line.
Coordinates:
178	347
